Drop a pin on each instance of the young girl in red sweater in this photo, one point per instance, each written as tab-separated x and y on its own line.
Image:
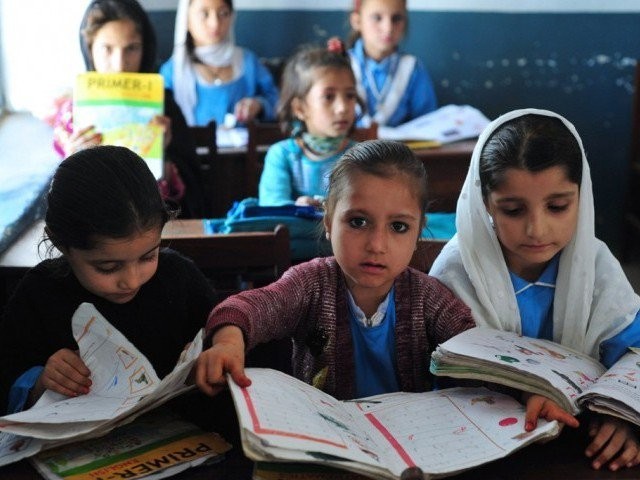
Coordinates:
361	322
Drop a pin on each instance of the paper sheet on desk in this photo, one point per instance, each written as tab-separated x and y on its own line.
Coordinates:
125	385
236	137
445	125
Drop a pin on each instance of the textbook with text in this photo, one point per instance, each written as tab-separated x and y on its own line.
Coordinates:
158	444
121	106
283	419
572	379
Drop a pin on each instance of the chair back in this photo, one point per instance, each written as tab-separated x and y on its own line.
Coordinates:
365	133
234	261
261	135
425	254
204	138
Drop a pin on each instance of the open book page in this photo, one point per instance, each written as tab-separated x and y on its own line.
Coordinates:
14	448
156	445
445	125
124	383
443	432
530	364
617	392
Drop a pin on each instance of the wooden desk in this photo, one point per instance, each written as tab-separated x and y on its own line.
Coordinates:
446	170
559	459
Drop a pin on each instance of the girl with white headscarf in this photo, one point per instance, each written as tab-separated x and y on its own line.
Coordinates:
210	76
525	257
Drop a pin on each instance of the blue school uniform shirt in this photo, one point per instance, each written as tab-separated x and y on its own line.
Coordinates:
535	302
288	174
215	101
418	98
374	347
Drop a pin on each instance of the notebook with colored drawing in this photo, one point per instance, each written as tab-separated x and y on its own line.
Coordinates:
283	419
573	380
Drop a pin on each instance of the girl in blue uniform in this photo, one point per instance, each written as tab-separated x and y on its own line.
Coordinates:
318	109
211	76
396	86
525	257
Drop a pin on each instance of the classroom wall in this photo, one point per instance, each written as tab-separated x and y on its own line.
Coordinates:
579	63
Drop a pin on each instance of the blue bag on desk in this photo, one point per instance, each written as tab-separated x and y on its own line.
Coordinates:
304	224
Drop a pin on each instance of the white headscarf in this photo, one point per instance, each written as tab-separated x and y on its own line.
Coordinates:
593	299
184	76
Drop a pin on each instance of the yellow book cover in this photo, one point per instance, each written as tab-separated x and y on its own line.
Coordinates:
121	106
159	443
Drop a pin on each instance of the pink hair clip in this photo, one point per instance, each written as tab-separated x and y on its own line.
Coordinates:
335	45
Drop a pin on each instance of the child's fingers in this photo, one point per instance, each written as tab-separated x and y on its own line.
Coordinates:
614	445
236	370
542	407
67	369
627	455
614	438
209	376
603	434
534	407
552	411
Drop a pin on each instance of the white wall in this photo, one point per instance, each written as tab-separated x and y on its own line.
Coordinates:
559	6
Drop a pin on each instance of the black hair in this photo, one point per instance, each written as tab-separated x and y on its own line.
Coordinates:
102	192
382	158
299	75
101	12
531	142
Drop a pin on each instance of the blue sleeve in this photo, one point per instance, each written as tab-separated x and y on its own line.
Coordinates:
615	347
422	95
19	391
264	87
166	70
275	182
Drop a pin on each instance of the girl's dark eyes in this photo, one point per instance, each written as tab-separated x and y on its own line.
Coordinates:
512	212
108	268
558	208
399	227
357	222
554	208
397	18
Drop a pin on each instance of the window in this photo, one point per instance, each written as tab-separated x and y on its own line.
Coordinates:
39	51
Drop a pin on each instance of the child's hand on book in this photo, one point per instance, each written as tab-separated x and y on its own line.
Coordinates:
163	122
64	373
79	139
226	355
613	437
542	407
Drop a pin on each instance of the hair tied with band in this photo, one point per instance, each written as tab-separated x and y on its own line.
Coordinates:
335	45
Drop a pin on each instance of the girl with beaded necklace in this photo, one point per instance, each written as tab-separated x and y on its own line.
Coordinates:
318	108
